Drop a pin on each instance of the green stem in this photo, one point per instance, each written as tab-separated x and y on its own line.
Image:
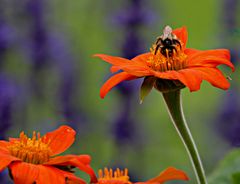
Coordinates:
174	104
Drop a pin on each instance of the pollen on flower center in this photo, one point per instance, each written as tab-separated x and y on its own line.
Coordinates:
108	176
159	62
33	150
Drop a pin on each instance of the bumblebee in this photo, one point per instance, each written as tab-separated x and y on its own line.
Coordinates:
167	43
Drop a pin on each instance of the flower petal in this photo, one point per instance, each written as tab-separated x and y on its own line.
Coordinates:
85	159
50	175
192	79
142	58
24	172
114	69
60	139
6	160
3	146
81	162
210	58
133	67
113	81
169	174
77	162
190	51
118	61
72	179
176	75
188	77
181	34
214	76
60	160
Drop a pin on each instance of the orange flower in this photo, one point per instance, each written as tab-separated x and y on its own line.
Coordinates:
30	160
169	59
121	177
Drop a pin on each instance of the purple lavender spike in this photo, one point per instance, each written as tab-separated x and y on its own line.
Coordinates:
38	43
136	14
6	38
232	32
7	101
131	20
66	70
49	46
228	121
124	126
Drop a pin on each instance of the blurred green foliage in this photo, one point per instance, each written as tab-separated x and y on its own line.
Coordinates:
228	170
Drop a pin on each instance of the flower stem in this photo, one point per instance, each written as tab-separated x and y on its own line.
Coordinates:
174	104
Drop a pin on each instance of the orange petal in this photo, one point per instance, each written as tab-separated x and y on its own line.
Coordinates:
132	67
85	168
142	58
24	172
169	174
114	69
176	75
6	160
60	160
81	162
190	51
191	79
60	139
50	175
182	34
211	58
113	81
118	61
72	179
214	76
86	159
3	146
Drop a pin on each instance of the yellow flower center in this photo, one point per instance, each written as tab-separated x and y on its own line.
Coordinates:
176	60
116	177
33	150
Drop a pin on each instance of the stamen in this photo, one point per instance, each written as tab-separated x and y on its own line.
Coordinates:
31	150
176	60
114	177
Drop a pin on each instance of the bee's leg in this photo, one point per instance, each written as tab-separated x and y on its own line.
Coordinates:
159	39
173	48
156	49
177	42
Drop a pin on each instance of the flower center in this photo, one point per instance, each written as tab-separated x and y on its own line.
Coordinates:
33	150
165	59
116	177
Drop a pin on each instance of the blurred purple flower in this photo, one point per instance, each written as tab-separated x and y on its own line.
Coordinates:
230	13
131	20
124	126
6	37
228	121
7	100
64	64
50	46
39	46
136	14
230	23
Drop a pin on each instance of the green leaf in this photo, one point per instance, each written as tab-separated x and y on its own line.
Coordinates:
228	171
236	178
146	87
